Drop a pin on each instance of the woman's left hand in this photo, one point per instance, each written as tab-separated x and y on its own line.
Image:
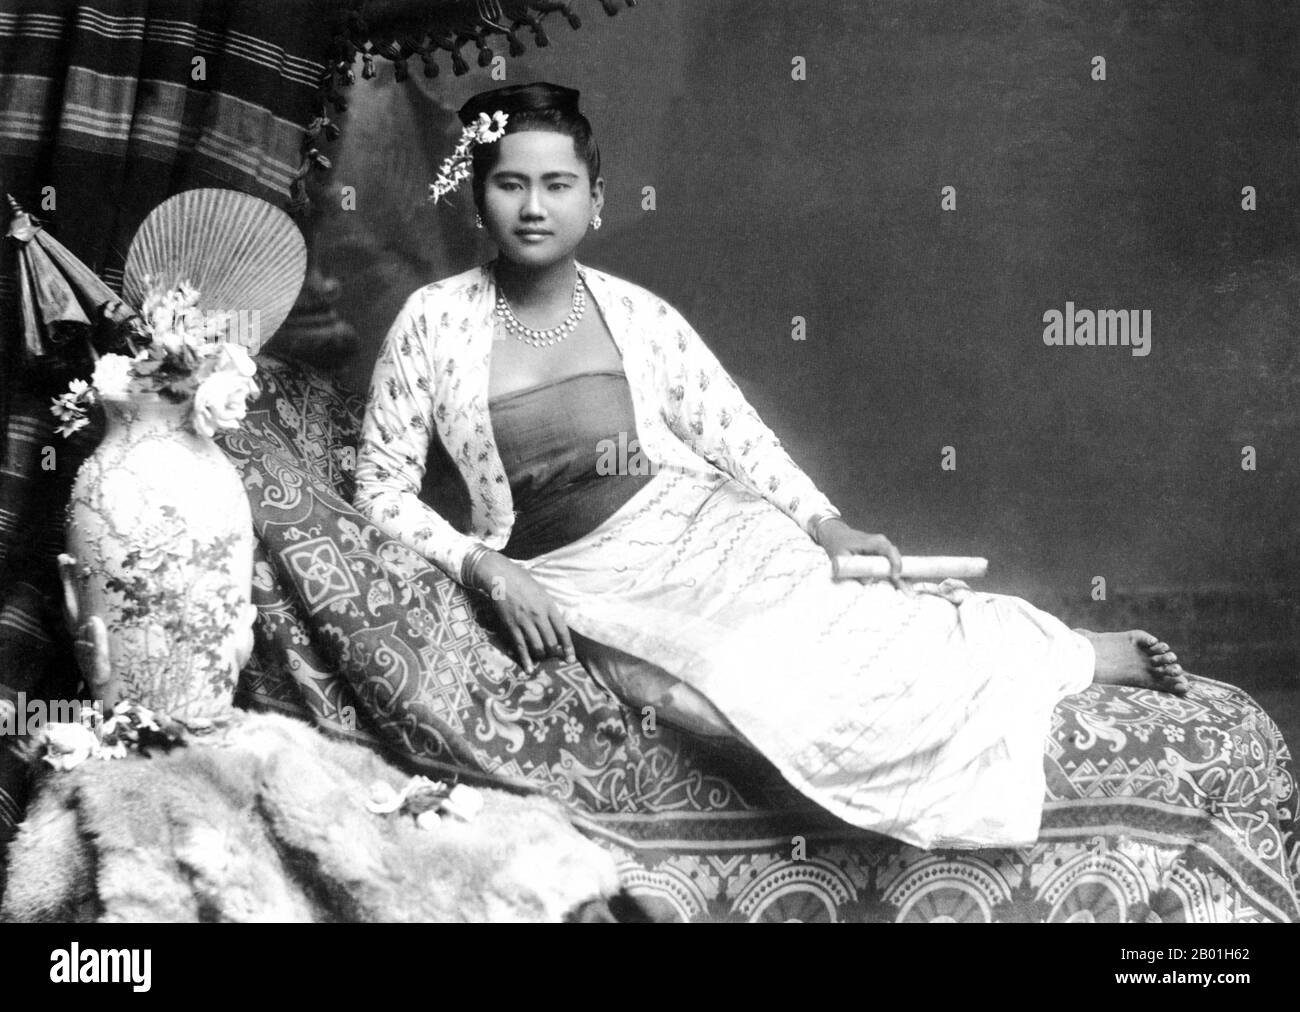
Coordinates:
838	538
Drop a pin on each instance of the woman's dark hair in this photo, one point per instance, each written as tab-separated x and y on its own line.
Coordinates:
536	106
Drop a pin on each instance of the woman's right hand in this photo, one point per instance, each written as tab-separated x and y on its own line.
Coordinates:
531	618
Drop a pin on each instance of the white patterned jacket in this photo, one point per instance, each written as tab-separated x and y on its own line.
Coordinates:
432	377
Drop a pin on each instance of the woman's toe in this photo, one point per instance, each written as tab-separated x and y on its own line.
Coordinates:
1144	639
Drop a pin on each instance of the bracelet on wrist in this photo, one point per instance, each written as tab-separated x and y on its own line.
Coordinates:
816	524
470	563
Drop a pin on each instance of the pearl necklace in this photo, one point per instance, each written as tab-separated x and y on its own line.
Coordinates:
544	338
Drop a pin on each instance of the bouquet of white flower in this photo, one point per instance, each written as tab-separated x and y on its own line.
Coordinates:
177	351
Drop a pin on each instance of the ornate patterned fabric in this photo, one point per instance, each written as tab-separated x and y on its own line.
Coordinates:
108	107
1157	808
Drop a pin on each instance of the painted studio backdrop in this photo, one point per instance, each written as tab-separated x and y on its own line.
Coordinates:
777	197
1016	279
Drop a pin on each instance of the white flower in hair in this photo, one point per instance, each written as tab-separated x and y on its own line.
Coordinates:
491	128
460	165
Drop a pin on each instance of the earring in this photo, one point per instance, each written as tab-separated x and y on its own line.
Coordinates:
596	223
478	221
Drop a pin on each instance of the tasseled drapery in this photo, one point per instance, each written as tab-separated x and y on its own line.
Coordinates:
396	30
400	29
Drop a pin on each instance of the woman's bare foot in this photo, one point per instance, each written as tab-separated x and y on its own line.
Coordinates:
1136	658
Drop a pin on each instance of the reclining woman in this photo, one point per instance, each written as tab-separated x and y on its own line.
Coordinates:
914	710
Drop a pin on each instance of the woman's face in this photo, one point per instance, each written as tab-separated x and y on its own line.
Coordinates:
539	199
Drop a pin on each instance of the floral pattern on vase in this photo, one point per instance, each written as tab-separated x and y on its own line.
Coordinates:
160	528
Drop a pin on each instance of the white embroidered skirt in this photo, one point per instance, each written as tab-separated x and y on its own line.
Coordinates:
922	717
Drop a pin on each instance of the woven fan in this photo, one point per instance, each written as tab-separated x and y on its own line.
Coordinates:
244	256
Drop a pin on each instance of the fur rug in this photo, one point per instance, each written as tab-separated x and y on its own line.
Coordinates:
269	823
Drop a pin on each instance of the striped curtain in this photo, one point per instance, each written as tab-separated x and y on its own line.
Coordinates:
106	109
117	105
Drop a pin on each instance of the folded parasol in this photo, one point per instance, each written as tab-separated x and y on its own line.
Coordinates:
61	299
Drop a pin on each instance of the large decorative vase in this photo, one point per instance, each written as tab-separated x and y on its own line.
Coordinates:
160	530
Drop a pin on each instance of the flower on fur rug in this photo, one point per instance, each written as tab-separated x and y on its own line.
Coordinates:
267	820
131	728
66	746
427	801
137	728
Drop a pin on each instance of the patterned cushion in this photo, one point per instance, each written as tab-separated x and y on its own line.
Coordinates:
1157	807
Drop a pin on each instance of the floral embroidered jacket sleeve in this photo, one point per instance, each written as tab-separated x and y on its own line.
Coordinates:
708	412
395	445
431	381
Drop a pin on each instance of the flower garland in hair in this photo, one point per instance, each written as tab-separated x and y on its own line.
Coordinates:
459	166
